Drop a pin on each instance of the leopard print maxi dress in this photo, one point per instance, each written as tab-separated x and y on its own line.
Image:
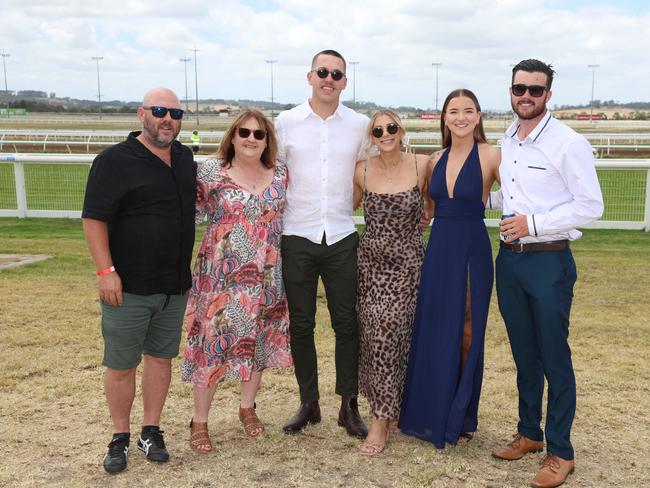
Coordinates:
390	255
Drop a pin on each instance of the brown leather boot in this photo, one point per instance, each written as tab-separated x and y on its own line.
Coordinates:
519	446
308	413
554	472
350	419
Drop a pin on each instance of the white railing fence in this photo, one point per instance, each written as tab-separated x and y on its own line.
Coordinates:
53	185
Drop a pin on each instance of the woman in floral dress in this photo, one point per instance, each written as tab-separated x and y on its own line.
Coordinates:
237	318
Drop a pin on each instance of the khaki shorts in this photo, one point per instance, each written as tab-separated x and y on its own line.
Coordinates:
143	324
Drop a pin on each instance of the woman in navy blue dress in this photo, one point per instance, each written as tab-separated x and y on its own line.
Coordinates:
445	368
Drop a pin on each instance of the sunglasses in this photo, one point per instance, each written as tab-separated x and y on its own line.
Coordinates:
391	128
322	73
535	91
258	134
160	112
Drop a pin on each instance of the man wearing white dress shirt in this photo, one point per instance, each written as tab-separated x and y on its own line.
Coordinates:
319	142
549	186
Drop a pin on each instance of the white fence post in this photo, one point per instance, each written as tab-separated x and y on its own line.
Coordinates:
21	195
647	202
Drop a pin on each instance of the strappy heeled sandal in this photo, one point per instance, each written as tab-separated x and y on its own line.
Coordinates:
253	426
372	448
199	437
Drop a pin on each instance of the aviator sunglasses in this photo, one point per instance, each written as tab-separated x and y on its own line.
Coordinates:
322	73
160	112
391	128
535	91
258	134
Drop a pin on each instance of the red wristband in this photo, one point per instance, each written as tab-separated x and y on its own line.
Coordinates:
105	271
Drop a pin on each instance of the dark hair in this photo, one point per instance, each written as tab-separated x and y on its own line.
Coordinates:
535	66
479	132
329	52
227	150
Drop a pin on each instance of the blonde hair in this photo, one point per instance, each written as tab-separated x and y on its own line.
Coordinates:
370	149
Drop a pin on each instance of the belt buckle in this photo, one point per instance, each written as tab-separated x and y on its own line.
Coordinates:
518	247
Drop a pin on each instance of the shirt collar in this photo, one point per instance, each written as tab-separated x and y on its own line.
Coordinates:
535	133
305	110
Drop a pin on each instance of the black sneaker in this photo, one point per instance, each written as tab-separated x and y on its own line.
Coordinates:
151	442
117	453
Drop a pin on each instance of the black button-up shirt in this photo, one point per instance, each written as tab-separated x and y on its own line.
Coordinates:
149	207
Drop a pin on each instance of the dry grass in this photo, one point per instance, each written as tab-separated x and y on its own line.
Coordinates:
54	422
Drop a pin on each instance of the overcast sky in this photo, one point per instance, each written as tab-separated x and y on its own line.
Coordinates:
51	44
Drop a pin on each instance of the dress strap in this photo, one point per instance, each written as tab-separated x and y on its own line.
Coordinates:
365	169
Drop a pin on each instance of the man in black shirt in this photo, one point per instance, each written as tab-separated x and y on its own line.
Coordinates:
138	218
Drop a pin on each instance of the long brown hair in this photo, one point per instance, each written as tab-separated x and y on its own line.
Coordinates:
227	149
479	132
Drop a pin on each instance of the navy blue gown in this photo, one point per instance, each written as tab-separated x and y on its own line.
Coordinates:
440	397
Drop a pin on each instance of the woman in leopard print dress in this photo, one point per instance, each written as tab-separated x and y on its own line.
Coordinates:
390	186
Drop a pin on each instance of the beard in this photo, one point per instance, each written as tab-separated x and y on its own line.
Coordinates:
150	130
536	111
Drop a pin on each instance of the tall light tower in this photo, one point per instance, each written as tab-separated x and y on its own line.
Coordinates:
185	61
593	82
271	62
436	66
354	81
4	68
99	91
196	83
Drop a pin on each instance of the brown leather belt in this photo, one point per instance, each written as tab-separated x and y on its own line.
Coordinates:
536	246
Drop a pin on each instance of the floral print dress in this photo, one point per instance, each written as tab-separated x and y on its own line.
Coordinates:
237	318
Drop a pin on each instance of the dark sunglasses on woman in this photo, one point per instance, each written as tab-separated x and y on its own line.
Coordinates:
258	134
391	128
322	73
160	112
535	91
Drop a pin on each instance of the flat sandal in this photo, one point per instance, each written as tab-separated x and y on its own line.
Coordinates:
199	436
253	426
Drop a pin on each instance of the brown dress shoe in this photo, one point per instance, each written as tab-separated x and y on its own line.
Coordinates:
308	413
519	446
350	419
554	472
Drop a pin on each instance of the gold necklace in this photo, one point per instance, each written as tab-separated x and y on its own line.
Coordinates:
390	175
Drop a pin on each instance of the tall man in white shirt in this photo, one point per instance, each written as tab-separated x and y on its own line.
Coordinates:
549	184
319	142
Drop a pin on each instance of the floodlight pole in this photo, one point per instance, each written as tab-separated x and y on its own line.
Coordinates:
196	83
99	91
354	82
185	61
436	66
271	62
593	82
4	68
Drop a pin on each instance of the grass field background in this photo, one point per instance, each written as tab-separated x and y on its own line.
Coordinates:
55	426
61	187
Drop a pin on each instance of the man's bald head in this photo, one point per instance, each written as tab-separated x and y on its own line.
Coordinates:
161	96
159	131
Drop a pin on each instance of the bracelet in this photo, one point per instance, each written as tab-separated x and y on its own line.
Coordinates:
105	271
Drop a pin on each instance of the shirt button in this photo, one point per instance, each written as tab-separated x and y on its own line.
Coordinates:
515	161
520	144
511	198
513	179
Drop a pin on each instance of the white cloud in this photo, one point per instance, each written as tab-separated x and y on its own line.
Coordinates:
51	44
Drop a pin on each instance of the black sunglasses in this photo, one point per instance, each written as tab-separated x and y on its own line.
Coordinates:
258	134
322	73
160	112
391	128
535	91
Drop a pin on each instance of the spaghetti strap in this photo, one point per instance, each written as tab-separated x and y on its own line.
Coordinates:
415	160
365	168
